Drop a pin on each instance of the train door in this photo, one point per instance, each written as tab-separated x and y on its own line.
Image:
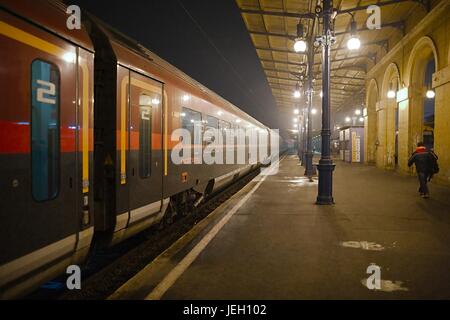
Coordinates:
145	151
38	167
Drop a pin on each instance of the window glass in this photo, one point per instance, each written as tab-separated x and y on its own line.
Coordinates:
190	120
224	124
212	122
45	137
145	135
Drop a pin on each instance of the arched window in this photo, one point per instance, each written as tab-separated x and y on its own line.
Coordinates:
428	106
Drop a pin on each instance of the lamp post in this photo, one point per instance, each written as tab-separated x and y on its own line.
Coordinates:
300	43
304	137
299	139
309	170
297	91
326	166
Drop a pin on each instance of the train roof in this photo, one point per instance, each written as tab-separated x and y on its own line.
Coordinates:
50	15
119	41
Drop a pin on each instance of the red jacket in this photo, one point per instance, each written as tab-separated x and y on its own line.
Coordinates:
423	160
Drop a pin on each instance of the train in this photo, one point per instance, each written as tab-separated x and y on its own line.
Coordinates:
85	150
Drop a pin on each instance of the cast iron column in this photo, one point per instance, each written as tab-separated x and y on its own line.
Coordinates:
326	166
299	138
309	170
303	136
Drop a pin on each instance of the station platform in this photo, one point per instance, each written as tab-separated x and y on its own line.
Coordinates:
270	241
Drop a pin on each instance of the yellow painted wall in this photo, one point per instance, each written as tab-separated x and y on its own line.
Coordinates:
427	35
442	124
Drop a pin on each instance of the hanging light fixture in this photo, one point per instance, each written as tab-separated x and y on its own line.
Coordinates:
430	94
353	43
358	112
297	91
300	43
391	92
296	111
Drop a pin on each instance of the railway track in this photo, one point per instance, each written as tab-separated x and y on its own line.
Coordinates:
107	269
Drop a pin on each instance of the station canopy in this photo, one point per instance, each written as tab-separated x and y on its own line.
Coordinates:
272	25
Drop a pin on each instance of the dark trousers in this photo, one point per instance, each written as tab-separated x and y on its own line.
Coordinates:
423	177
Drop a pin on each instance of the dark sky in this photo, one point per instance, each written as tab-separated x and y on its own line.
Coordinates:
207	39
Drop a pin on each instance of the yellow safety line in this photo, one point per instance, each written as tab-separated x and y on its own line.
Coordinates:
85	129
29	39
123	129
33	41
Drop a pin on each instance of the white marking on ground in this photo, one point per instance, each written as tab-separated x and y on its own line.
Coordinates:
387	286
182	266
365	245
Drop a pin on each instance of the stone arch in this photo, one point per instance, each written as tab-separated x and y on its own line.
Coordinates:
372	99
423	47
387	115
423	51
448	53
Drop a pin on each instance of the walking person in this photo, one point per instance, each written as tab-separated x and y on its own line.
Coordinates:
426	166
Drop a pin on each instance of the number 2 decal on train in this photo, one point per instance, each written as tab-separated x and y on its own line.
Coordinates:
46	92
45	82
145	114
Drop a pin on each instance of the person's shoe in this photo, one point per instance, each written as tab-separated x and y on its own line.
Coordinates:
426	196
421	194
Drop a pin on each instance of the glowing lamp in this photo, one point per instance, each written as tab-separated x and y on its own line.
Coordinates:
430	94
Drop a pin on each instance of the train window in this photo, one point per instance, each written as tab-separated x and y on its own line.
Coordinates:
145	135
224	125
45	136
212	122
190	120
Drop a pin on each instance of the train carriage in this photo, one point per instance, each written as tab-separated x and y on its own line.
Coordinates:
87	119
143	81
46	124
